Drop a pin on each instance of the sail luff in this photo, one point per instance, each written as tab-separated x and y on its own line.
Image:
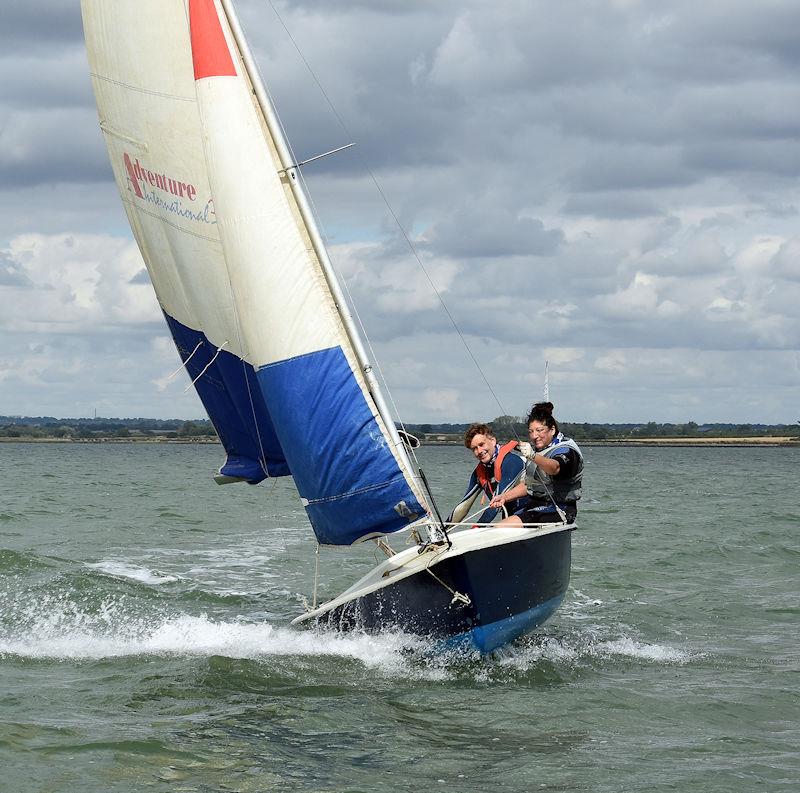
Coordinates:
287	161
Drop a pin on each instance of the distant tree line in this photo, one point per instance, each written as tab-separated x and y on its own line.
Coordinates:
515	427
25	427
504	427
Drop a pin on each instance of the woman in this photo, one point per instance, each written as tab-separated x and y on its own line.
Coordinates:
552	475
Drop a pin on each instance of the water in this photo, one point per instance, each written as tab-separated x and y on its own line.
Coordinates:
145	646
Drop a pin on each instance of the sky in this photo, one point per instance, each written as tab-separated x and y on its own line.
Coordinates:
611	186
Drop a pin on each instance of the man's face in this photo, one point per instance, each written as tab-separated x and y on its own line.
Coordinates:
483	447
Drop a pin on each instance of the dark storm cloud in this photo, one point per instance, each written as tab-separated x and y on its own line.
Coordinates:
778	158
52	81
768	29
632	168
392	7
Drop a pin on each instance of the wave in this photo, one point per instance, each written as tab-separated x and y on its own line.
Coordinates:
58	628
19	562
87	616
70	635
133	572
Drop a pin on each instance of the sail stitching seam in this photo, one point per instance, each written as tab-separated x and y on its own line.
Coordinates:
142	90
350	493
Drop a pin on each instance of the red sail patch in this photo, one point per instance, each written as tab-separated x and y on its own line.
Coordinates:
210	53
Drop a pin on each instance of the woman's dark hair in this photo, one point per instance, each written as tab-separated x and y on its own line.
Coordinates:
543	412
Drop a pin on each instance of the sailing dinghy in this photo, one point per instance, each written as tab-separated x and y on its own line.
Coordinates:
215	202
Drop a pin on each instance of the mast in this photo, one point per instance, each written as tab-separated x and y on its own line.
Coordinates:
546	382
290	169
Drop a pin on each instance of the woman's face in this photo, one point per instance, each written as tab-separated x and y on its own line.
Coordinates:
540	434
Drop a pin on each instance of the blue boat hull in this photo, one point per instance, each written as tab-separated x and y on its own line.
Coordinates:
512	588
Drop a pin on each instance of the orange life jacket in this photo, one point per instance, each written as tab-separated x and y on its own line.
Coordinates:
480	469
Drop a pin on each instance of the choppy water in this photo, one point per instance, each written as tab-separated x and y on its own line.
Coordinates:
144	639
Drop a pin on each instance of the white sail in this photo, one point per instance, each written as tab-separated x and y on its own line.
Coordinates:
234	266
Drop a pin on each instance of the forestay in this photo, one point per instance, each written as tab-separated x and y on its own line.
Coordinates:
234	268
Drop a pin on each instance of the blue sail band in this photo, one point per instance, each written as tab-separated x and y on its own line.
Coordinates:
232	398
341	462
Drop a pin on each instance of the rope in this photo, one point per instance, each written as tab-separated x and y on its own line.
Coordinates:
457	596
205	368
183	365
316	574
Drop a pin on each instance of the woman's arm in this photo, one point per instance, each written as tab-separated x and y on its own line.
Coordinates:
550	466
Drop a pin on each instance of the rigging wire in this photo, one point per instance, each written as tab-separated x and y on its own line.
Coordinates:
350	306
410	244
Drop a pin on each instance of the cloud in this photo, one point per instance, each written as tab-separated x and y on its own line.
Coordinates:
610	187
39	25
786	262
491	233
76	284
46	146
11	273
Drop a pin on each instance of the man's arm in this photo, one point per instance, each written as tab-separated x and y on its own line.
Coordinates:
518	491
461	510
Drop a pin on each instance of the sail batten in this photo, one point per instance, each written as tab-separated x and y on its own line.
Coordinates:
237	270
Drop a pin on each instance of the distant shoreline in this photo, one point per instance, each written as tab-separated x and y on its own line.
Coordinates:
758	441
710	442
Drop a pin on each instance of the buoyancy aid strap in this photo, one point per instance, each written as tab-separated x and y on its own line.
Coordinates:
558	441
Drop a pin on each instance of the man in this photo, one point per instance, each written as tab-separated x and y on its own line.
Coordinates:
499	468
